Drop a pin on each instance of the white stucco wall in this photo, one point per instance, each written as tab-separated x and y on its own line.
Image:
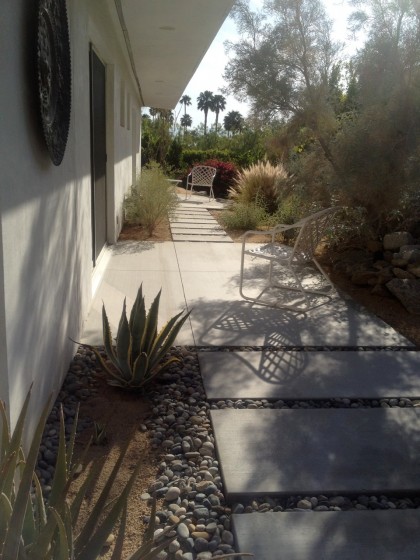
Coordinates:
45	211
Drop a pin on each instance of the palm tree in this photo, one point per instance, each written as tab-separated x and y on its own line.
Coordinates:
166	115
234	122
153	112
204	103
218	105
185	100
186	121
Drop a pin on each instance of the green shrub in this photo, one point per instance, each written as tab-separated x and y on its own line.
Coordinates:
291	209
140	349
264	181
243	216
150	199
33	530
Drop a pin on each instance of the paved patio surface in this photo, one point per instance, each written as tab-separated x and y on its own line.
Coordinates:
304	375
203	277
349	535
270	451
311	451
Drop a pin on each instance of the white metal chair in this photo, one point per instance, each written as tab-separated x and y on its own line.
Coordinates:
201	176
289	259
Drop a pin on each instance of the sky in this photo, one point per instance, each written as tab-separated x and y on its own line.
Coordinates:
209	74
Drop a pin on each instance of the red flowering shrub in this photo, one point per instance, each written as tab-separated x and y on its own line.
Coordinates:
225	176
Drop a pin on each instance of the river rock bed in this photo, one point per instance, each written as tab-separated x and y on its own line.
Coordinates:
188	484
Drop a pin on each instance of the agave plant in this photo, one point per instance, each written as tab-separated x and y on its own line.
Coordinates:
32	530
140	350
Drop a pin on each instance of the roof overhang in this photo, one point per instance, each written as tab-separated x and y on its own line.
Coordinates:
167	40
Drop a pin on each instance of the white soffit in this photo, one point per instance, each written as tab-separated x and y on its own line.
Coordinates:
168	39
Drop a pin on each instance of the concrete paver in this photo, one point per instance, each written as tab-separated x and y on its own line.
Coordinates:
196	224
177	228
283	451
192	220
331	535
310	375
311	451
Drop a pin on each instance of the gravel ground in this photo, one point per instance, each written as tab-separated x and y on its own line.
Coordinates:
188	482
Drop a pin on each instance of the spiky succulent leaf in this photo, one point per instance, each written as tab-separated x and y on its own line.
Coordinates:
7	473
166	338
137	324
12	446
5	515
14	532
151	327
5	432
102	362
59	483
118	383
123	347
140	370
29	530
107	337
39	506
62	549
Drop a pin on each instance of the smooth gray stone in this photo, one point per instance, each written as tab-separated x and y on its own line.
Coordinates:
313	451
365	535
310	375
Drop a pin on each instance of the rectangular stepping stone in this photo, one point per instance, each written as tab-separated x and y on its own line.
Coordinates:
195	227
310	375
192	220
190	231
332	535
204	238
191	212
318	451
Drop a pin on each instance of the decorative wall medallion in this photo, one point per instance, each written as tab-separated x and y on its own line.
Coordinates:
54	75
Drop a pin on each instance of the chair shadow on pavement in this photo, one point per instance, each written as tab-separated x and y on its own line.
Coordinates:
338	323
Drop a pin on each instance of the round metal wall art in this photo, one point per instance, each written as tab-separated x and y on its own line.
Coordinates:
54	75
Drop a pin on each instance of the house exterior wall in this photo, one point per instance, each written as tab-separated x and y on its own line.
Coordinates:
45	211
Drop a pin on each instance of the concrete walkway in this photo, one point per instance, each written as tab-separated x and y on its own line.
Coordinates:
280	354
192	221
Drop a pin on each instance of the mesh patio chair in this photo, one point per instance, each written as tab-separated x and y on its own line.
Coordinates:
290	260
201	176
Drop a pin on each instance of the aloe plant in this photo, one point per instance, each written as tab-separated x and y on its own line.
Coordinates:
32	530
140	350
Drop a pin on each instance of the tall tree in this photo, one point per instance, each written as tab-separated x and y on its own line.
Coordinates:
283	61
186	121
378	147
233	122
185	101
153	112
218	105
204	103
